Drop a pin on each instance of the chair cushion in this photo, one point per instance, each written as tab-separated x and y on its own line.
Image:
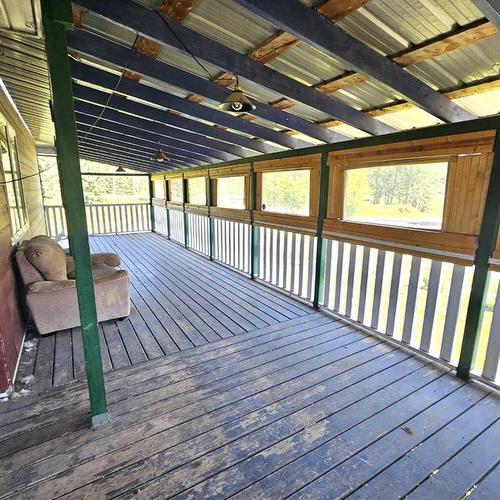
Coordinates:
48	258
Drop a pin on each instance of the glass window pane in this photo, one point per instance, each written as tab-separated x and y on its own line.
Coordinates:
175	188
410	195
231	192
159	189
118	189
286	192
197	194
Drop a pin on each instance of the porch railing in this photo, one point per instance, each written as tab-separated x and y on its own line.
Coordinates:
103	218
416	301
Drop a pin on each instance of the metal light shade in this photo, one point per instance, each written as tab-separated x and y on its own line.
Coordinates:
237	102
120	169
160	156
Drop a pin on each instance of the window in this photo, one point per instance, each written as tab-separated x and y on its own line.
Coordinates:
159	189
231	192
286	192
175	190
409	195
13	183
197	191
110	189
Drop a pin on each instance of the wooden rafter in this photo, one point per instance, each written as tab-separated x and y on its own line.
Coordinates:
468	35
147	47
462	91
177	10
337	9
283	103
273	47
280	42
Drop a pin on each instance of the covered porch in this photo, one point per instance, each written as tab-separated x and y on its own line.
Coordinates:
312	262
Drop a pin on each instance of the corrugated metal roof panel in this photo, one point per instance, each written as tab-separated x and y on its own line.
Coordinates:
23	68
20	16
474	62
307	65
390	26
368	94
228	23
104	28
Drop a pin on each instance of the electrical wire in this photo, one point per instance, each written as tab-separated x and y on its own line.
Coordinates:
40	172
186	48
106	104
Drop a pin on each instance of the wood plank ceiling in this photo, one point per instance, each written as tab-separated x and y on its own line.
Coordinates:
130	101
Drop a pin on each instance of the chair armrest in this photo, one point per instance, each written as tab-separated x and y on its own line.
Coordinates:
70	265
110	259
50	286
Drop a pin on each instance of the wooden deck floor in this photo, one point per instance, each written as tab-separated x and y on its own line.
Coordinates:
179	301
305	408
219	387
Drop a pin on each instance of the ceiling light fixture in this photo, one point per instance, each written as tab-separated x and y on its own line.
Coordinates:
120	170
237	101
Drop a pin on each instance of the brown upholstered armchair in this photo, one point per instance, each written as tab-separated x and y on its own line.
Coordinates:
48	276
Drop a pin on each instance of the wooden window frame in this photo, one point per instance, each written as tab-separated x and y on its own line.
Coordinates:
456	241
237	214
306	224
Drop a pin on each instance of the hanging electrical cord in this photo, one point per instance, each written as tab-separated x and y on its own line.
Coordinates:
40	172
106	104
186	48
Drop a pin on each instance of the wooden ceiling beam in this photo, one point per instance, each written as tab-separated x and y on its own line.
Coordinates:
282	41
468	35
485	85
337	9
273	47
177	10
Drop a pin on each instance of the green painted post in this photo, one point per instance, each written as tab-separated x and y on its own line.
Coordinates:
57	17
151	206
167	211
486	245
211	225
255	232
185	214
319	282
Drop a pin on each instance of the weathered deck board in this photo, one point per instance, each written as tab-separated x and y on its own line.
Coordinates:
179	300
309	407
299	405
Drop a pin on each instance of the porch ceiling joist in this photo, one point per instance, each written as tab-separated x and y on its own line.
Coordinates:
318	31
95	136
123	135
131	88
490	10
156	128
149	24
85	122
133	150
87	43
125	105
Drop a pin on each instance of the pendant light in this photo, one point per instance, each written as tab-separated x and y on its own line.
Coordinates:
120	170
237	101
160	155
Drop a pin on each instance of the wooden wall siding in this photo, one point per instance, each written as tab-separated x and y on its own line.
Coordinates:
470	159
12	321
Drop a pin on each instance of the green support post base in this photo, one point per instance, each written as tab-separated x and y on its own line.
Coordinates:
101	419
